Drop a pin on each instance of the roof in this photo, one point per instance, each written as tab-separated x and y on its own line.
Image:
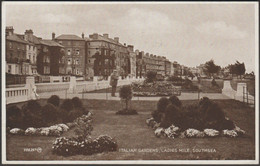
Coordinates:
35	39
15	38
50	43
68	37
102	38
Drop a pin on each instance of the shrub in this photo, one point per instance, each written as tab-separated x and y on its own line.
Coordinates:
175	101
214	113
33	105
32	114
74	114
125	93
14	117
77	103
55	100
214	83
67	105
173	115
162	104
50	114
157	116
151	76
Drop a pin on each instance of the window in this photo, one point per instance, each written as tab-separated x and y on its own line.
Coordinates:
77	51
69	52
77	62
106	61
77	71
88	61
9	68
10	45
69	61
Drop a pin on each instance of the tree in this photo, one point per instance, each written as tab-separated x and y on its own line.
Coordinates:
151	76
237	69
125	93
210	68
240	68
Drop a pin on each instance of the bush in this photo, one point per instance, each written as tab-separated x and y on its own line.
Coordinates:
50	114
14	117
175	101
125	93
151	76
55	100
214	83
157	116
32	114
173	115
67	105
77	103
162	104
74	114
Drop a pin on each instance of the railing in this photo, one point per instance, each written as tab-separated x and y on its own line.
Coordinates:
15	95
50	87
248	99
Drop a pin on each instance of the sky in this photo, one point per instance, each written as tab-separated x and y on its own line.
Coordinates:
190	34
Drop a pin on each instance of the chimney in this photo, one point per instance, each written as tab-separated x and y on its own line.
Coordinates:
93	36
130	48
53	35
9	30
105	35
28	35
116	39
82	35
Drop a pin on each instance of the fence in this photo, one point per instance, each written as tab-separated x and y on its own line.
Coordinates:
15	95
248	99
15	79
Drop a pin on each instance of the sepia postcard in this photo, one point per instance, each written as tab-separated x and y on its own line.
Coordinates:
130	82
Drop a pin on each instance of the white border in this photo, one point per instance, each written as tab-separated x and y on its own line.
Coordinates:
256	161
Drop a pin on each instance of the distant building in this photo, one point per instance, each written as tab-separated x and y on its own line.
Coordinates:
105	54
51	58
167	67
74	48
16	62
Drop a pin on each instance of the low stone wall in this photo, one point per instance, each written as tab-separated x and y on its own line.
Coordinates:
50	87
240	94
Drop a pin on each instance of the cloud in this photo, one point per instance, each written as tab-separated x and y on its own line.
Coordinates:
221	29
56	19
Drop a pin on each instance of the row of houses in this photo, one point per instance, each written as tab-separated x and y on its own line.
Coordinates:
68	54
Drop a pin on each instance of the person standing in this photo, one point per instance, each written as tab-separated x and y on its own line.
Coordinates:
113	82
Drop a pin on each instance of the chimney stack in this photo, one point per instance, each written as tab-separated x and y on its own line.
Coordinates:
94	36
53	35
116	39
105	35
82	35
28	35
9	30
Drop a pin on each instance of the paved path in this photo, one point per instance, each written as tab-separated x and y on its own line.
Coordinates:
107	96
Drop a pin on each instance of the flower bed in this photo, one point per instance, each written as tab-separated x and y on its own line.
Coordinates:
174	131
155	89
54	130
82	144
71	146
205	119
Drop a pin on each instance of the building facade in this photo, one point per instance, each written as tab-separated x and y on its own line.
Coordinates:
104	54
16	61
167	67
74	50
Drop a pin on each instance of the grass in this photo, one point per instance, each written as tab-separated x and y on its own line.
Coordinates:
131	132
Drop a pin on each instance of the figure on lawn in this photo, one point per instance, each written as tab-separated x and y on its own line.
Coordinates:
113	82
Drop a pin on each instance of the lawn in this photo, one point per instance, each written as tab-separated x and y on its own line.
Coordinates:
132	133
